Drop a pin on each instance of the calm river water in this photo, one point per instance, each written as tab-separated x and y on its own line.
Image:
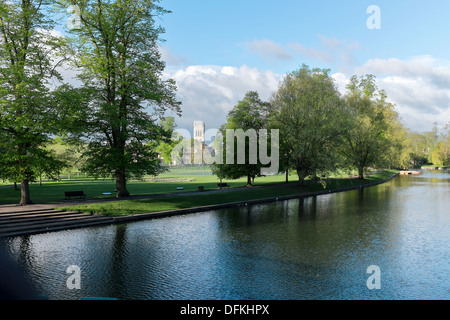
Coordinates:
313	248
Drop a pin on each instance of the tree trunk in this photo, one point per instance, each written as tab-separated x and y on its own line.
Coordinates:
301	180
249	180
361	172
25	193
121	185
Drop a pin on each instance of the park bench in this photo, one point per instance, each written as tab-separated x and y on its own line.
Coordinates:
223	185
70	194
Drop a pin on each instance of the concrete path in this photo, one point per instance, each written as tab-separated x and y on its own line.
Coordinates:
7	208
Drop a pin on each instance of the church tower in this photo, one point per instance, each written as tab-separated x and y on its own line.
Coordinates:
199	141
199	131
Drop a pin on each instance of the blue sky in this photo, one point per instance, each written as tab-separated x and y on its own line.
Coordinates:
216	51
218	32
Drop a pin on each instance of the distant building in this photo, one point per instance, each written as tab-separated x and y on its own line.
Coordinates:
199	136
199	131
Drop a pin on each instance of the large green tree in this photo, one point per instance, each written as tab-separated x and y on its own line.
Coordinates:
374	130
116	47
251	114
28	113
419	149
440	154
311	116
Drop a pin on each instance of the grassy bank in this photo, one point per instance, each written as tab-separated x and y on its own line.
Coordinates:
149	205
52	192
187	178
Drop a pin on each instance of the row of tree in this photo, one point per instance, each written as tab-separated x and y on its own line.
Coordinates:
431	147
321	130
114	114
115	117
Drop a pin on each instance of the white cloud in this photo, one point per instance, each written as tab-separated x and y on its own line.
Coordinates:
317	54
417	86
436	73
208	93
269	50
341	82
171	58
342	51
331	51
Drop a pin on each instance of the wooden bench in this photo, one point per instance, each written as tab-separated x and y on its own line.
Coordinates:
70	194
222	185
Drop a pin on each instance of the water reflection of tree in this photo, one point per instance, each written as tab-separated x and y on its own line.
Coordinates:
117	270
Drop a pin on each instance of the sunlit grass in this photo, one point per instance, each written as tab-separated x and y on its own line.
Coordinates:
189	179
149	205
53	191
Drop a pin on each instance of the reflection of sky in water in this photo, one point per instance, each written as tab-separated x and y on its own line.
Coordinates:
313	248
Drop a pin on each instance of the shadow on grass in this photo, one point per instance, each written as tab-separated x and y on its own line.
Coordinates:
159	204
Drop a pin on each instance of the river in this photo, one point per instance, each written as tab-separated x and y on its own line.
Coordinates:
313	248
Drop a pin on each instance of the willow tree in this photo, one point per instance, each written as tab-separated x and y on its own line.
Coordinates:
375	129
115	46
28	113
308	110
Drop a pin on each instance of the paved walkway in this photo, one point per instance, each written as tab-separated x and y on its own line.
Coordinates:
6	208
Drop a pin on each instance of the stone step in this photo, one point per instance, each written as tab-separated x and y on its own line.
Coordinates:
39	215
40	220
20	211
51	228
51	223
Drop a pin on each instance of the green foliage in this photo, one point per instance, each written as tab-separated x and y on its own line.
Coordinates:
166	145
149	205
430	147
116	49
311	117
251	113
375	135
440	149
28	114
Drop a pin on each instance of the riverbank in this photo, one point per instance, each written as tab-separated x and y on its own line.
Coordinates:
55	217
431	167
145	207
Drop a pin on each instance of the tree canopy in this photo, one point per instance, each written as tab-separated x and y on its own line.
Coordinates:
250	115
28	112
116	49
373	133
311	116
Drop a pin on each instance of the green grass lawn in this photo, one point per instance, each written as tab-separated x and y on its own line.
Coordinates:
53	192
148	205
